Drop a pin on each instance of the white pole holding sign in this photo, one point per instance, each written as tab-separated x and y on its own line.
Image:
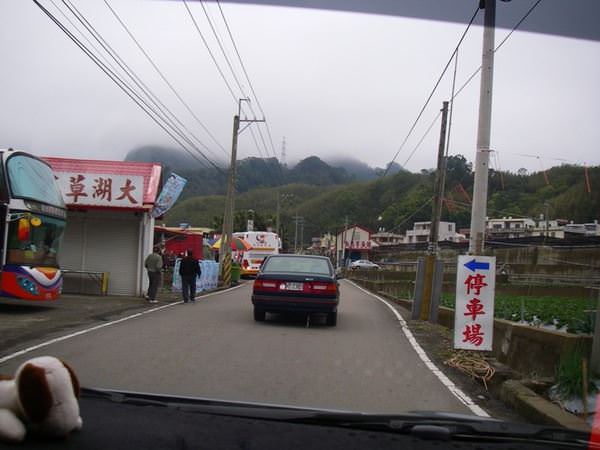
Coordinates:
474	310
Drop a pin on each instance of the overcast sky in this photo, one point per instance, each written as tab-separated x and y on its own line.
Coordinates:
333	83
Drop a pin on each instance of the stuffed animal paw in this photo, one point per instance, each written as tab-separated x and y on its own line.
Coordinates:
42	397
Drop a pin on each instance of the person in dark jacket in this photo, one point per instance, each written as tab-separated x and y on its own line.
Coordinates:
189	269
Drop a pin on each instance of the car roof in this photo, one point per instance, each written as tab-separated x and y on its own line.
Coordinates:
294	255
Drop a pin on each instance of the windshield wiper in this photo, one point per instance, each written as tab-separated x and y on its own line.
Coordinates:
424	425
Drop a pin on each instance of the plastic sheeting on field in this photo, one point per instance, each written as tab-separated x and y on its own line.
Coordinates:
205	282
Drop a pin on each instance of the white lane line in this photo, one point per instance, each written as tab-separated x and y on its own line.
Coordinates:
107	324
455	390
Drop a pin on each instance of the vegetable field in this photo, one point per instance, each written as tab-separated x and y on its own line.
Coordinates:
572	315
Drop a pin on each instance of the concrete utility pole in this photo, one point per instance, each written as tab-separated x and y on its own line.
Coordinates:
302	235
297	220
430	290
478	211
277	215
440	181
226	236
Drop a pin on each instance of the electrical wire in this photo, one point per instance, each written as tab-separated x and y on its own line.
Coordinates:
406	218
158	104
243	66
134	96
432	92
212	56
230	67
161	74
474	74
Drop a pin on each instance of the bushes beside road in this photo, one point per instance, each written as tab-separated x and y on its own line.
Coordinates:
573	315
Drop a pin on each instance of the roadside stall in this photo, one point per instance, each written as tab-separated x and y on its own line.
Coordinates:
110	227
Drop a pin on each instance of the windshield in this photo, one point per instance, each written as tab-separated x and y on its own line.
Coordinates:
434	164
298	264
32	179
37	245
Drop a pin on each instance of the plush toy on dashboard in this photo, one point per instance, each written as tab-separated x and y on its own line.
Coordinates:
42	397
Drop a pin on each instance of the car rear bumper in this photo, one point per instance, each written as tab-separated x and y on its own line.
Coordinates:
291	304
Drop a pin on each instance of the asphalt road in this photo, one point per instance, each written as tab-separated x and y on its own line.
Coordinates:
213	348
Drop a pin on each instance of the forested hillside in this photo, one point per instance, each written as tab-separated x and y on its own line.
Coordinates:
396	201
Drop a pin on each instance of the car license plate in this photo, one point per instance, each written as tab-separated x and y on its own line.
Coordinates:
290	286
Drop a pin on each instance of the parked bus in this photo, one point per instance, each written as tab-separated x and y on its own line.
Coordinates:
32	220
264	243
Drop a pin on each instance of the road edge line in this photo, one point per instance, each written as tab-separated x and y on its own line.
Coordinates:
454	390
103	325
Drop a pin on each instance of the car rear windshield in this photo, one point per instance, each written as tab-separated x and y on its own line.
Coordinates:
297	264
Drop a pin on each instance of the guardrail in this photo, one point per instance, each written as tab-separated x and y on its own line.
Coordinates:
99	278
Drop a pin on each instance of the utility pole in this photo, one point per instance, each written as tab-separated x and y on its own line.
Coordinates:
344	242
478	211
277	215
302	235
297	219
546	207
429	289
226	236
440	181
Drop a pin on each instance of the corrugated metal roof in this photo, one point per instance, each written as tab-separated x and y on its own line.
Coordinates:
150	171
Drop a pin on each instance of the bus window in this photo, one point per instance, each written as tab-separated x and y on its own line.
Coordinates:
36	247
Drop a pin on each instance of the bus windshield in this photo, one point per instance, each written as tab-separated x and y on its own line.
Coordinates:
35	245
30	178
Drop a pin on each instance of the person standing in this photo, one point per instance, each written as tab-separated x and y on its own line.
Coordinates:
189	269
153	264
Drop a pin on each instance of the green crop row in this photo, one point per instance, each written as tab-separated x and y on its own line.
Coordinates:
574	314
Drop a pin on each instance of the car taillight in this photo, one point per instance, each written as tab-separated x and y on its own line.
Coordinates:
323	288
265	285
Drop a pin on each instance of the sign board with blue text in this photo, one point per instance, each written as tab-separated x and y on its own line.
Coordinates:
474	308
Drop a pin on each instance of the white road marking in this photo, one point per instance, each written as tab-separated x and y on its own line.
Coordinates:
98	327
455	390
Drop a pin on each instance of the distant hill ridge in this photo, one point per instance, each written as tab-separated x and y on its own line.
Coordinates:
254	172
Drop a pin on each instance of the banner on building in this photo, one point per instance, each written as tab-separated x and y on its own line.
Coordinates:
101	189
169	194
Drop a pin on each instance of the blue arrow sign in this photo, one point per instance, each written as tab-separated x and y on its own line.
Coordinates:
474	265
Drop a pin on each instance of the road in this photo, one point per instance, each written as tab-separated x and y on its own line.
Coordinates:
213	348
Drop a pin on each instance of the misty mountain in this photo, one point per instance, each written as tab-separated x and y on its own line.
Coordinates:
252	173
360	170
313	170
172	159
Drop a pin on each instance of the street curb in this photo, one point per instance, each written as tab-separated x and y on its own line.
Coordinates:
523	400
537	409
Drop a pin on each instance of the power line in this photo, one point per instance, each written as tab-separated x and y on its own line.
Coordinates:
114	77
243	66
161	74
219	67
432	92
467	82
136	79
220	44
407	217
233	73
235	98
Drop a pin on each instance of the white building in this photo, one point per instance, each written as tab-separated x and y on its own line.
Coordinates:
385	238
584	229
354	243
508	227
420	233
